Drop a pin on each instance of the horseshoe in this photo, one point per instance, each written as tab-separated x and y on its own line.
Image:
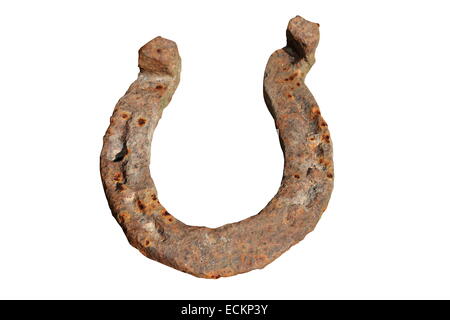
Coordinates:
242	246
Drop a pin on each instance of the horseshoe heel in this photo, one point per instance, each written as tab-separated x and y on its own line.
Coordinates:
237	247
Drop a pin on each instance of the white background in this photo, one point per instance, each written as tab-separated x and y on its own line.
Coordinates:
381	79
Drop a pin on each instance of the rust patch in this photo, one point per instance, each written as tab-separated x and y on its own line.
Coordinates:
120	187
315	110
293	76
141	205
123	217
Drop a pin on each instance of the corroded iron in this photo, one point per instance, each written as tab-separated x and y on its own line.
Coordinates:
237	247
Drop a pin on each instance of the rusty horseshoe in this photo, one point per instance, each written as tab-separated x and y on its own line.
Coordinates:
242	246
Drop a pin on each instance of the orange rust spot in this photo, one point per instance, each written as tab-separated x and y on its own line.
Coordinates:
326	163
123	216
330	175
117	176
140	205
165	213
323	124
119	186
141	121
315	110
124	115
289	96
158	50
170	219
326	138
298	84
297	176
147	243
153	196
159	87
292	77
